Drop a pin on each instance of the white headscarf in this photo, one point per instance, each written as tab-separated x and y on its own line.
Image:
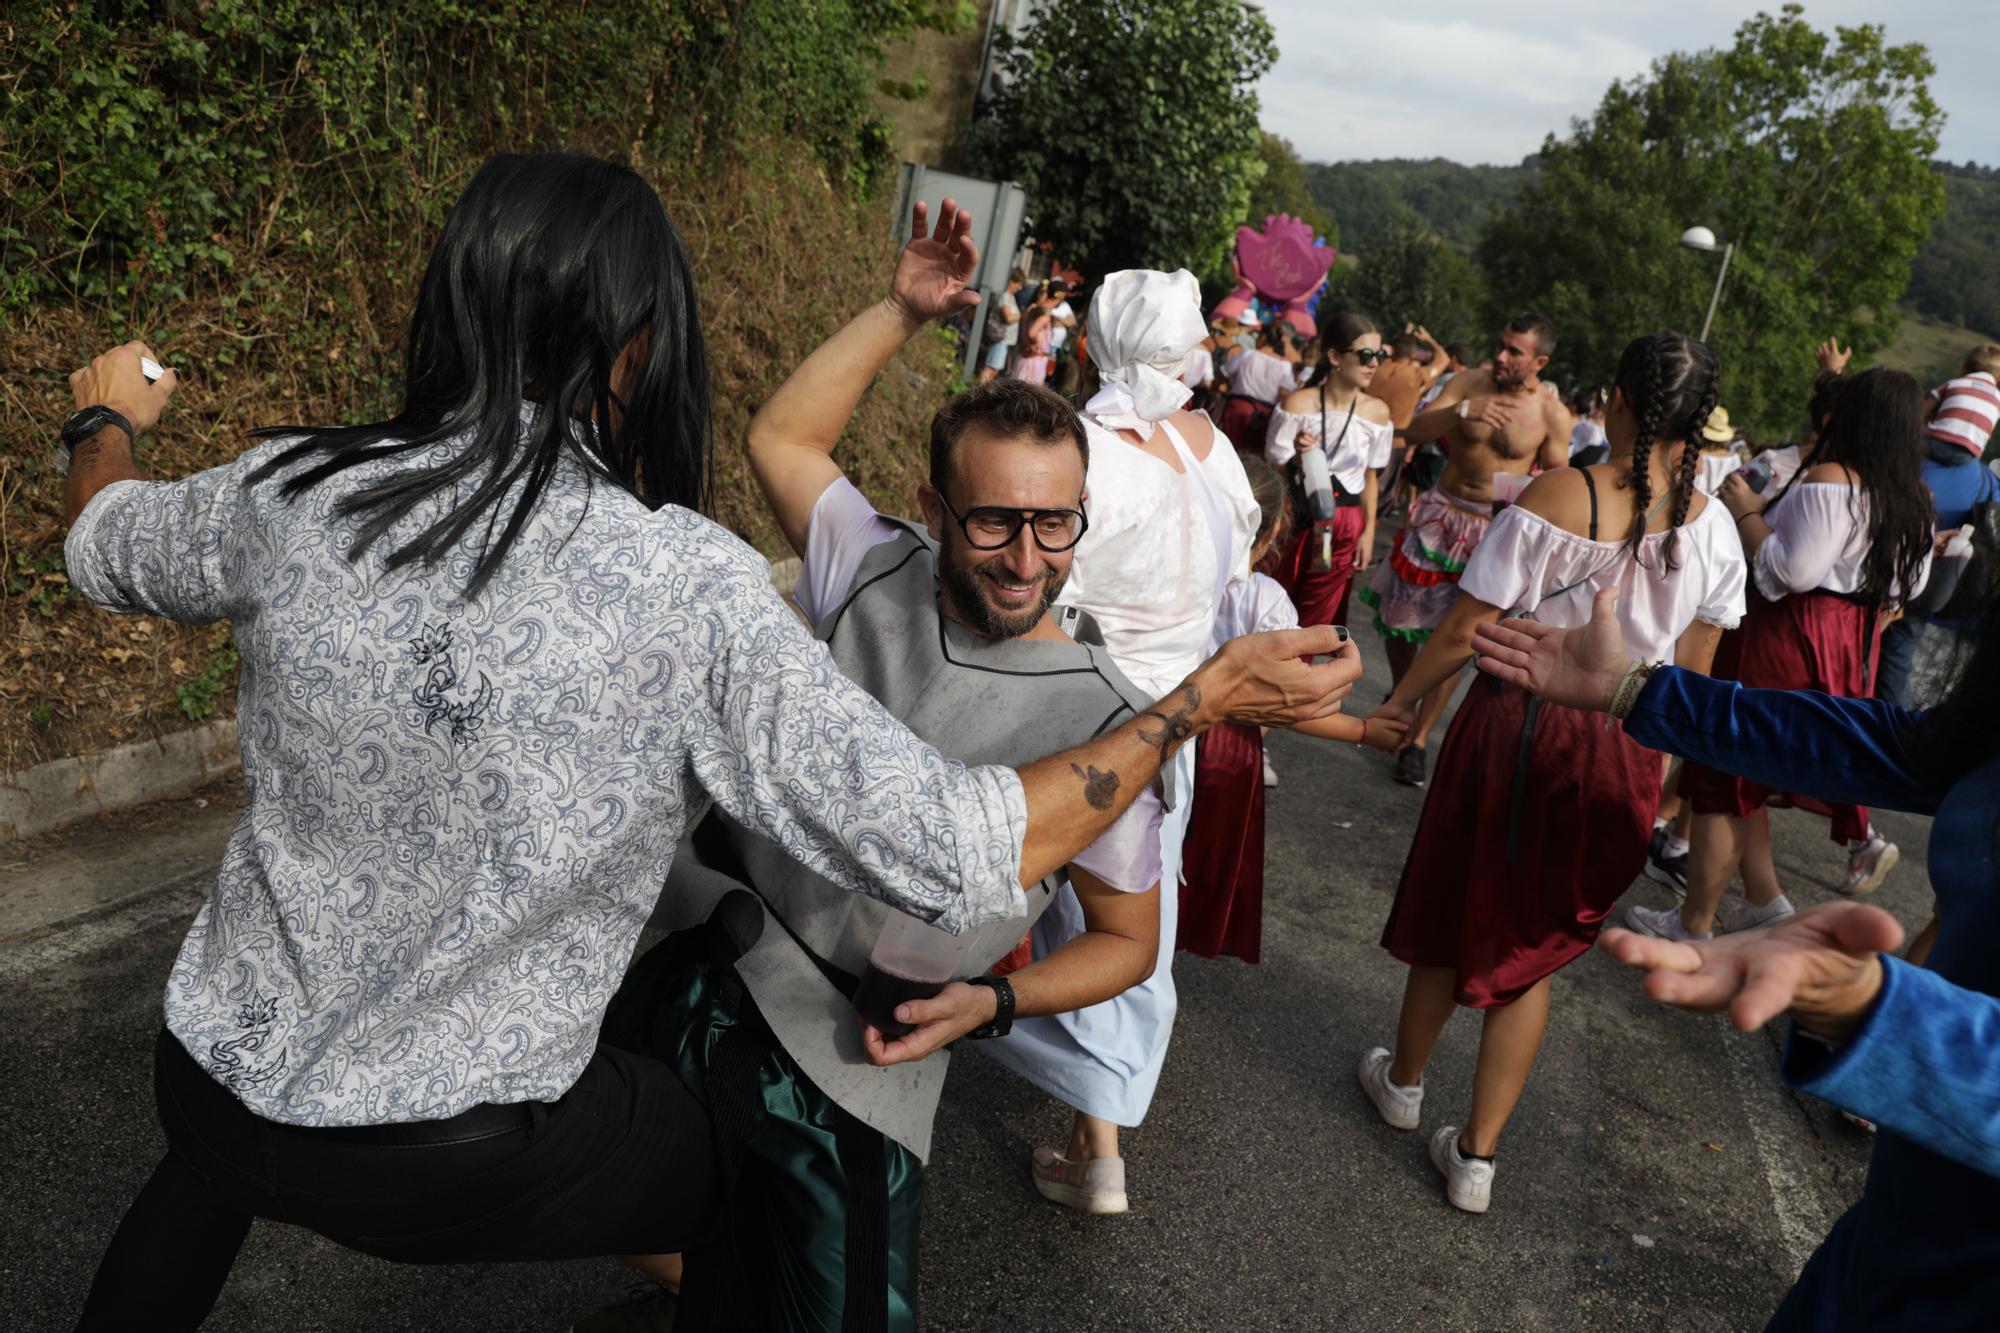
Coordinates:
1142	325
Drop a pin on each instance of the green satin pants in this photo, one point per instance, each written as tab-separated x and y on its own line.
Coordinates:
791	1198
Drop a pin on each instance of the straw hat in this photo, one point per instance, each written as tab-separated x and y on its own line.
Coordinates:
1718	430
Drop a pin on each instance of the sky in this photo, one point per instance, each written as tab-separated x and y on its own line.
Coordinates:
1485	84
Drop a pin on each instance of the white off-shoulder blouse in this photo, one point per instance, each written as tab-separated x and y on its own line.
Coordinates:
1528	566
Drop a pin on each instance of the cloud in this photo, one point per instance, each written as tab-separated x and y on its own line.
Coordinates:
1354	83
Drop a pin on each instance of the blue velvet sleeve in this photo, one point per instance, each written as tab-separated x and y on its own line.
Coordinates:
1845	750
1921	1064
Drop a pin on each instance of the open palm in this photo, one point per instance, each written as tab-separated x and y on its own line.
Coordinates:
1577	668
934	268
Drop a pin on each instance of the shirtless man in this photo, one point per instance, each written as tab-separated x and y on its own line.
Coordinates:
1492	421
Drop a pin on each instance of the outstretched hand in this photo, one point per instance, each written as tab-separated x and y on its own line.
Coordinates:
1270	679
1832	356
1822	966
1577	668
934	268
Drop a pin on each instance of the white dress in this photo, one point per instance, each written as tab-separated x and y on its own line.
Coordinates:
1162	548
1712	469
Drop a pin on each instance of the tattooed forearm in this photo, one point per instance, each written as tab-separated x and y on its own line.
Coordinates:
1099	787
1169	722
94	464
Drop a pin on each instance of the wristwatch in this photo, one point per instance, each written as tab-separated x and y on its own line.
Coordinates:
1003	1007
85	422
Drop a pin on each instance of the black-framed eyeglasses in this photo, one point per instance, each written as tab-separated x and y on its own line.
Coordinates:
1370	356
990	528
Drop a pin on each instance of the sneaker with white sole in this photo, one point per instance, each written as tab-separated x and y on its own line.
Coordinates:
1468	1182
1270	773
1756	918
1665	866
1870	864
1662	923
1397	1105
1096	1186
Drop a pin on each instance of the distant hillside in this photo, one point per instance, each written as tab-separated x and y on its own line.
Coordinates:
1368	199
1955	280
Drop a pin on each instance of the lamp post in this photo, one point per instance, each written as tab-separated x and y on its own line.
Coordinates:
1701	238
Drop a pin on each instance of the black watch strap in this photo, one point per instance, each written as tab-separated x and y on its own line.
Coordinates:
80	425
1003	1007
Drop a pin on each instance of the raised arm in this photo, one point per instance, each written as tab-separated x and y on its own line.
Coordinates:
1435	420
114	380
791	439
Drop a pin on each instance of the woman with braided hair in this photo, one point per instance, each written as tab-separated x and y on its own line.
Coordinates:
1848	537
1540	817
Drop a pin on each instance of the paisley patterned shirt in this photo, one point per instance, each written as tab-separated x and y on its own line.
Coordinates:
461	813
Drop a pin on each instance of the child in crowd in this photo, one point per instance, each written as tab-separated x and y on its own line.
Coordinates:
1222	858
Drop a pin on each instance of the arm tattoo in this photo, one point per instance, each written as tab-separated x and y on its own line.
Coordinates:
1165	731
1099	787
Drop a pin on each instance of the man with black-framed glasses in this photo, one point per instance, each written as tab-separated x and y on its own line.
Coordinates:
950	625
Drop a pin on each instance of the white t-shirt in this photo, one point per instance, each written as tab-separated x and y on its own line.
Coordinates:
1012	336
1818	541
1262	376
1058	331
1357	446
1255	605
843	529
1586	434
1711	470
1528	566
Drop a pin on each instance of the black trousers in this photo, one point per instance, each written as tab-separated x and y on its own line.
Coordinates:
623	1163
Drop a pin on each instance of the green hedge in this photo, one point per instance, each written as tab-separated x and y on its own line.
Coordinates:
148	147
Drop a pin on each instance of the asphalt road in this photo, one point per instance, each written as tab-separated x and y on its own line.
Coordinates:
1657	1176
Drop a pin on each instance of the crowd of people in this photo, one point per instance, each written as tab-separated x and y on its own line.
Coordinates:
513	698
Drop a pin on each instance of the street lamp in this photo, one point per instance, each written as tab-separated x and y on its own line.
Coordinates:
1701	238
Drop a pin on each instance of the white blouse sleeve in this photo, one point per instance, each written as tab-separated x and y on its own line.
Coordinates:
1281	436
1510	567
1808	532
1724	598
1269	606
1385	439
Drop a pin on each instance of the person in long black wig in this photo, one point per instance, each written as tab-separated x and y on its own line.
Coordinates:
494	659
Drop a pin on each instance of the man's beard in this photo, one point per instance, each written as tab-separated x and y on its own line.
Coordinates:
1502	380
968	599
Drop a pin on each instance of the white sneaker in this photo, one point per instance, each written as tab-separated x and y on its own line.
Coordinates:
1096	1186
1755	918
1870	865
1397	1104
1468	1182
1270	774
1662	923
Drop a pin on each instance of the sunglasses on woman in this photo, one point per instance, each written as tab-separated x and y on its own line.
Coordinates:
1369	356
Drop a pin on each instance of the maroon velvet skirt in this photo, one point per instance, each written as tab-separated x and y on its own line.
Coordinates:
1528	837
1245	421
1319	592
1808	641
1222	856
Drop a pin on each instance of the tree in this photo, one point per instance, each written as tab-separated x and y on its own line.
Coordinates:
1811	154
1413	277
1283	188
1133	126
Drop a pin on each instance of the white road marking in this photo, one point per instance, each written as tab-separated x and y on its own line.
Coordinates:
1802	1224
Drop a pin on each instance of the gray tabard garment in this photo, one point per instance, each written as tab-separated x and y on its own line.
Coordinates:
984	702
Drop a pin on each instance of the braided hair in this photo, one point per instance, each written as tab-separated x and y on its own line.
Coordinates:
1672	383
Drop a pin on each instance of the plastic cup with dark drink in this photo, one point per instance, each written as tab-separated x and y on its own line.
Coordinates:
910	961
